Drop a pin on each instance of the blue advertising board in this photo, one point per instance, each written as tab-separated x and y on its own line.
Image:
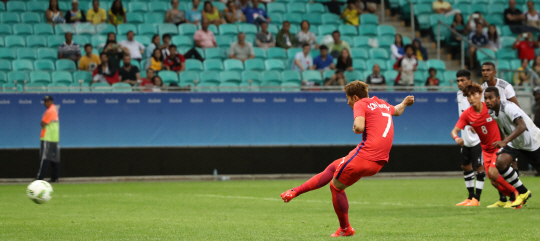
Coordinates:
216	119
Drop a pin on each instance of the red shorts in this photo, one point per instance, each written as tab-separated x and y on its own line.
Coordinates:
489	159
350	169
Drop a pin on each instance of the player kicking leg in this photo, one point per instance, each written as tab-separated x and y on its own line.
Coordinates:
522	137
366	159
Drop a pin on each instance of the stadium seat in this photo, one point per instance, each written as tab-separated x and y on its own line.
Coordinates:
213	64
84	28
168	76
276	7
481	56
369	30
386	41
210	76
379	53
18	76
5	29
260	53
187	29
312	75
386	30
251	76
8	17
65	65
212	28
215	53
193	64
233	64
291	53
165	28
327	29
361	42
61	29
330	18
158	7
224	41
81	40
40	77
277	18
58	87
422	66
65	6
296	7
271	78
276	53
144	29
450	77
272	28
35	87
295	20
291	87
291	76
105	28
5	66
390	76
245	86
182	41
228	86
31	18
228	29
54	41
135	18
37	6
254	64
36	41
231	76
369	18
353	75
8	54
154	18
208	86
23	29
314	19
420	78
190	77
44	65
315	8
61	77
85	76
274	64
358	53
100	87
43	29
247	28
371	62
506	53
359	64
16	6
26	53
14	41
3	78
347	30
138	7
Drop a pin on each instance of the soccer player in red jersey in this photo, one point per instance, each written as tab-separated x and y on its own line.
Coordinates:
487	129
372	118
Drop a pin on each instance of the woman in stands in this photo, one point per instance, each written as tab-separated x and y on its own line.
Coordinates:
459	26
156	62
344	63
421	52
117	13
494	42
536	65
158	84
75	15
175	15
475	19
304	36
397	47
53	13
212	14
533	18
232	14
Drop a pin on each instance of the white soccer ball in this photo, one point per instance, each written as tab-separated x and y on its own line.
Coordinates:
39	191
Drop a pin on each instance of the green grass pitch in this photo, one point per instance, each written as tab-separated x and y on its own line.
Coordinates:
390	209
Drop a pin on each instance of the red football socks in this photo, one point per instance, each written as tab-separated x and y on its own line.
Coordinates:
505	187
317	181
341	206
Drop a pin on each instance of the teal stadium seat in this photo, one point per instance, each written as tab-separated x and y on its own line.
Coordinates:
274	64
386	41
18	76
506	53
422	66
314	19
101	87
291	76
276	53
182	41
190	77
97	40
361	42
369	30
212	28
330	18
58	87
138	7
81	40
23	29
43	29
146	29
481	56
450	77
379	53
276	7
14	41
213	64
296	7
291	53
135	18
54	41
359	64
79	87
35	87
294	19
8	54
390	64
5	29
436	64
271	78
5	65
207	87
277	18
316	8
169	28
390	76
312	75
16	6
65	65
228	87
369	18
36	41
85	76
358	53
85	28
221	6
233	65
168	76
371	62
247	28
40	77
106	28
44	65
291	87
211	76
154	18
193	64
62	77
8	17
353	75
251	76
3	78
260	53
231	76
224	41
496	9
61	29
26	53
31	18
254	64
187	29
327	29
386	30
507	41
274	29
37	6
347	30
158	7
420	78
255	86
228	29
215	53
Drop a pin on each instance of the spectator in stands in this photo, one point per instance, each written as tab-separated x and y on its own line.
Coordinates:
232	14
158	84
96	15
479	39
432	79
368	5
536	65
324	61
89	61
444	7
153	46
284	38
241	49
522	76
526	46
533	18
255	14
211	14
104	73
351	13
338	45
406	66
376	78
136	49
75	15
110	36
264	38
334	6
147	81
397	48
165	46
155	62
304	36
459	25
117	13
175	15
494	42
242	4
69	49
475	19
204	38
175	61
53	13
115	53
128	73
303	60
514	18
193	15
344	62
421	52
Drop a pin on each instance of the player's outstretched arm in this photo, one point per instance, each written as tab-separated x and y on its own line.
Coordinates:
520	128
408	101
454	134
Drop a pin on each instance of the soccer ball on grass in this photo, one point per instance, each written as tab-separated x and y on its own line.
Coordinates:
39	191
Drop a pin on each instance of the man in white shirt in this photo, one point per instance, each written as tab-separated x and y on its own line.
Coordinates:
406	66
522	138
302	60
136	49
506	91
471	152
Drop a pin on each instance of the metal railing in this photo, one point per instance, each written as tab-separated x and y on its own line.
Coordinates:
413	32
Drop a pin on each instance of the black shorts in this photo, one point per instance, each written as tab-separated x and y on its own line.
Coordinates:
471	155
49	151
532	156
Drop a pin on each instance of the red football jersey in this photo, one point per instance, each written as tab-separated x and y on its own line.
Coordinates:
379	129
484	125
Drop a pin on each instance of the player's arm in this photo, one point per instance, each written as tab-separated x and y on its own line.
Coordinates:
520	128
514	99
454	134
359	124
43	124
408	101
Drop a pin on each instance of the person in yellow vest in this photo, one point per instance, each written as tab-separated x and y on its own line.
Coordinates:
49	151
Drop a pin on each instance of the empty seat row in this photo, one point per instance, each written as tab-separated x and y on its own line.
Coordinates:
42	64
